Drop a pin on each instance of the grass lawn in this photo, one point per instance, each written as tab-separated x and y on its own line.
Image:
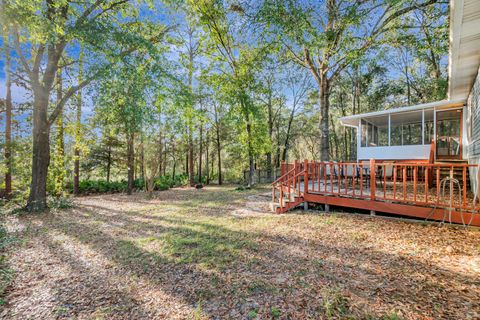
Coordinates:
219	253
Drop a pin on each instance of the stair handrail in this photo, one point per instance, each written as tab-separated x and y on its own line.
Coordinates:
283	176
286	178
289	185
295	178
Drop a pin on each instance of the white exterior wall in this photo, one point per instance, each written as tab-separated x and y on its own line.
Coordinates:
413	152
472	138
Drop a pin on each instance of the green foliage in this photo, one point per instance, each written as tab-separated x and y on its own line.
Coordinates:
6	273
275	312
102	186
335	304
61	203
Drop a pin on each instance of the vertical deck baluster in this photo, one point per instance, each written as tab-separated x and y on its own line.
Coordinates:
361	180
339	176
305	177
427	170
415	175
345	180
373	180
280	197
404	181
464	187
384	171
332	170
395	168
319	172
353	178
438	184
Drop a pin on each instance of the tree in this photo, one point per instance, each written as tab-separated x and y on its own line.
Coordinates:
125	98
242	62
78	128
51	26
327	37
8	114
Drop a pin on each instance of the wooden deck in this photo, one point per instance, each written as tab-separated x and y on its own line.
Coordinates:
432	191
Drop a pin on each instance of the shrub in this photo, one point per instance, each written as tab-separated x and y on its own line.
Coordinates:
60	203
6	274
101	186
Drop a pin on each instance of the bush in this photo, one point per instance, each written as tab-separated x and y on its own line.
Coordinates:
101	186
6	274
60	203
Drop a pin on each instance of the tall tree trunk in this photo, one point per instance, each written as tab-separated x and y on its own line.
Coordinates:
287	137
200	155
187	159
324	116
78	124
219	147
142	159
160	150
174	159
407	79
165	156
270	136
109	162
8	121
191	171
335	140
277	153
207	142
37	200
59	157
251	159
130	162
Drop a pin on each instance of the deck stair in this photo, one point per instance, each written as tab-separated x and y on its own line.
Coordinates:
287	190
457	172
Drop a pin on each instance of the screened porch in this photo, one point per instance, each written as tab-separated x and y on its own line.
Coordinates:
408	133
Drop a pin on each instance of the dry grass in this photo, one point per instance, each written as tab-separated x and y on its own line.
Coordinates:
218	253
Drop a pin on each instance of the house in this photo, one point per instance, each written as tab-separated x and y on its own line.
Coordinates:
451	128
420	160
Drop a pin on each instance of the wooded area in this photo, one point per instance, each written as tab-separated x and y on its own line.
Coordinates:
138	140
121	96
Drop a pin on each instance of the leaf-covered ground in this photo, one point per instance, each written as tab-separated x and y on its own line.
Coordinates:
218	253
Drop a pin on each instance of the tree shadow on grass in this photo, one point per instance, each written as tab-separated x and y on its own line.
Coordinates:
234	272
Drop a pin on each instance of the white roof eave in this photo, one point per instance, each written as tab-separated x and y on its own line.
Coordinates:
464	53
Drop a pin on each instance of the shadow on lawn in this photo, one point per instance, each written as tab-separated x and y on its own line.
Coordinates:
254	272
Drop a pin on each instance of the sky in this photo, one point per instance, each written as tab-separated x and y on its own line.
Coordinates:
20	95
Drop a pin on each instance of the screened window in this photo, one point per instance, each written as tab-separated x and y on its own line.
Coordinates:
406	128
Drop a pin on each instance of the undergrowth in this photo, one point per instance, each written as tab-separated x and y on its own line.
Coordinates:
6	273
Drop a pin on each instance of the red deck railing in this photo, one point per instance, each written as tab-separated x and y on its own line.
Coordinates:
421	184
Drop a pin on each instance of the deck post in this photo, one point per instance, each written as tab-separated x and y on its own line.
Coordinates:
283	168
327	208
372	179
305	176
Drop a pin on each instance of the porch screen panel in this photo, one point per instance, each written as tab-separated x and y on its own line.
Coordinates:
375	131
406	128
429	127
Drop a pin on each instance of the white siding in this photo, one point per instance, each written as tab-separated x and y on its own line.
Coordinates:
472	126
413	152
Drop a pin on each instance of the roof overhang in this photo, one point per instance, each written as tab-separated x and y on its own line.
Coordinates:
353	121
464	55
